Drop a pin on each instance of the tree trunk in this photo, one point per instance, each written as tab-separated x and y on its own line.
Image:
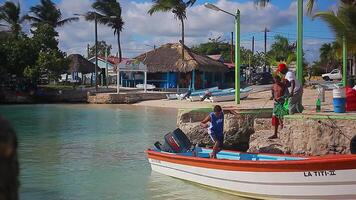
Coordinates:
119	46
182	21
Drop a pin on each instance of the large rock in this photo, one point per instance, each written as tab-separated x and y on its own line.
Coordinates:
259	143
313	136
237	129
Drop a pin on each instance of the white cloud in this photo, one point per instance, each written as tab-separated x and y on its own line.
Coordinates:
141	28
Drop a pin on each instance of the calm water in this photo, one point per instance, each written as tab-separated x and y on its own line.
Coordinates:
95	152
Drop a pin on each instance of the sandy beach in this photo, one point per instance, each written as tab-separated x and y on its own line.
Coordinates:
255	100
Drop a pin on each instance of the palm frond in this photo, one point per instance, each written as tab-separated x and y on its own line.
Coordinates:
32	19
68	20
336	25
262	3
310	6
161	6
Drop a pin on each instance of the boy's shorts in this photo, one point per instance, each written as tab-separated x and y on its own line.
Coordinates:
275	120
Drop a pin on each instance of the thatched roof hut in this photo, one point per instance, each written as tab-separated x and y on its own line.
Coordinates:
168	58
79	64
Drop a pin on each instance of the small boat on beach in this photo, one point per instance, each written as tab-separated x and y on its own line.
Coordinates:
258	176
195	96
228	95
148	86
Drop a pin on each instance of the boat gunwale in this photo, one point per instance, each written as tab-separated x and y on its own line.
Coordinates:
312	163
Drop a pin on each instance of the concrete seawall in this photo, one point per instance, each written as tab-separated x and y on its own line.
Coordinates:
124	98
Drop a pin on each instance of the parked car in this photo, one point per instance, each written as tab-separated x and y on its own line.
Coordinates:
333	75
262	78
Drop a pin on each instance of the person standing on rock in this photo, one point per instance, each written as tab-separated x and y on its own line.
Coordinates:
279	96
295	89
215	123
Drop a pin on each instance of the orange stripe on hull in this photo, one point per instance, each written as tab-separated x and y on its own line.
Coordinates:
331	162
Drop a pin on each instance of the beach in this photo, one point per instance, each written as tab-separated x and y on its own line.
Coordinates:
256	100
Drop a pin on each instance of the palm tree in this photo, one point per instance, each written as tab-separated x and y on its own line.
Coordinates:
329	55
343	24
47	12
10	13
177	7
108	12
281	49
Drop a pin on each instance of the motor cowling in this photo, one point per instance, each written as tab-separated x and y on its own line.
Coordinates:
353	145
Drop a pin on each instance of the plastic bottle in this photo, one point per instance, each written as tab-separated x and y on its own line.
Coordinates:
318	105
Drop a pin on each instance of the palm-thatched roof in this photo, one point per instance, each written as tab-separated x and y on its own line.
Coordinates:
79	64
168	58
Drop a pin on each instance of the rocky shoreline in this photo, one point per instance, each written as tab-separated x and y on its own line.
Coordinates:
248	131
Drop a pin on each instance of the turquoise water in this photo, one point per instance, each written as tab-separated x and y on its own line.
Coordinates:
95	152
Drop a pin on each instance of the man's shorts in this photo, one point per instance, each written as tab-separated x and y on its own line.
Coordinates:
216	137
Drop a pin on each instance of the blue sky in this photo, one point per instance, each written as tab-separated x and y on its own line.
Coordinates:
142	30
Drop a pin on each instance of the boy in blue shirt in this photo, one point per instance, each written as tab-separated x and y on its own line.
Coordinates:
215	122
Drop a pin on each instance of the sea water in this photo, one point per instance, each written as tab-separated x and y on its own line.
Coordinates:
95	152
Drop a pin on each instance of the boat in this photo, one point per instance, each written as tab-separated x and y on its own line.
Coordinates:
229	95
260	176
172	96
148	86
195	96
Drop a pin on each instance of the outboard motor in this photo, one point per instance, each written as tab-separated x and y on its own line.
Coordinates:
175	142
353	145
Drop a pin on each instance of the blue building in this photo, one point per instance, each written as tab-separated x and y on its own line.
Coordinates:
167	69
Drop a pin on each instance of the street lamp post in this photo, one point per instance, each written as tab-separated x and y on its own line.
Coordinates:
237	47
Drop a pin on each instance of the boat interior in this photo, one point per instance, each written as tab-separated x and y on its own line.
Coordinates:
229	155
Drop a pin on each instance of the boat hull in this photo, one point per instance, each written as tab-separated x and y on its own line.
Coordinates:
267	180
230	97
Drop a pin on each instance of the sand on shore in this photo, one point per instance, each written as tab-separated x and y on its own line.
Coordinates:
255	100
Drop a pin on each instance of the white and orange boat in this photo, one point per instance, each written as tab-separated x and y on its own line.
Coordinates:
262	176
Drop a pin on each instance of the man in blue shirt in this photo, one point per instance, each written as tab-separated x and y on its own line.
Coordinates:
215	124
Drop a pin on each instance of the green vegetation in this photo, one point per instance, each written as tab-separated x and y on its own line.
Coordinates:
102	48
343	24
36	57
281	51
47	13
224	48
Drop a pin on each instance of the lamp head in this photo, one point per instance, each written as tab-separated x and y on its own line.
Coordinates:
212	6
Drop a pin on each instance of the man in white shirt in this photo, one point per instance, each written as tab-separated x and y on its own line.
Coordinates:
295	89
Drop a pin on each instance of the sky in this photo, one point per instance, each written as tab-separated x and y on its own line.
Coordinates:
142	31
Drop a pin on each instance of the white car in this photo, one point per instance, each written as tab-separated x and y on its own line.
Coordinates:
333	75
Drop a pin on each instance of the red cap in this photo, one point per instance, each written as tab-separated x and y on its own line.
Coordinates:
281	67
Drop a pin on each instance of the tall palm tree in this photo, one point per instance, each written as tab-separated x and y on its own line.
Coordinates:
177	7
10	14
108	12
343	24
47	12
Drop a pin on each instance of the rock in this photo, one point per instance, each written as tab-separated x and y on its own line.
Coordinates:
261	144
237	129
318	137
262	124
